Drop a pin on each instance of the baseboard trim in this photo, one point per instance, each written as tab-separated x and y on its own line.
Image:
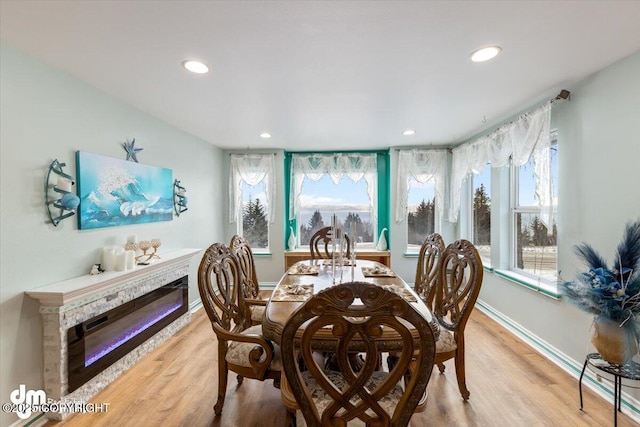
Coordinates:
34	421
630	405
195	305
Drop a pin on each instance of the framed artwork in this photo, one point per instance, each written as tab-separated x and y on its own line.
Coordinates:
117	192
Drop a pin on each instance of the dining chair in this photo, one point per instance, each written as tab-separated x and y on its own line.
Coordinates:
241	349
356	313
255	299
460	276
427	268
320	243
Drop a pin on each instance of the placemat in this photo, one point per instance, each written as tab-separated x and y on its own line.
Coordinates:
304	269
299	293
400	290
377	272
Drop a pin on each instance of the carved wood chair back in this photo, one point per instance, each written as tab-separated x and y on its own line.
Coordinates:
427	269
320	244
254	300
220	285
241	349
242	250
459	281
356	311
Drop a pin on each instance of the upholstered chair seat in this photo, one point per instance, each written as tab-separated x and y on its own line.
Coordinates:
238	353
257	314
446	342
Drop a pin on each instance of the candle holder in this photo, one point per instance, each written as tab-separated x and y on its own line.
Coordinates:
67	201
145	246
179	198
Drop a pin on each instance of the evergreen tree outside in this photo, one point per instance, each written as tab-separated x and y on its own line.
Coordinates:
533	234
255	227
481	217
421	222
315	223
364	230
539	231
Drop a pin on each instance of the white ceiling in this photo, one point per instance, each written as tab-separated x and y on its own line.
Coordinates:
326	75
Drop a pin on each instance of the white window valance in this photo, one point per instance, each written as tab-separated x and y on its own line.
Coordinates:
424	166
527	136
252	169
356	166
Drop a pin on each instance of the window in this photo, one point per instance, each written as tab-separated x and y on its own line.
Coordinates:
251	193
420	189
351	185
421	206
347	199
481	224
534	239
254	225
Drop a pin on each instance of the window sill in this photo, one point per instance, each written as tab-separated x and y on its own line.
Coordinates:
262	254
545	288
411	254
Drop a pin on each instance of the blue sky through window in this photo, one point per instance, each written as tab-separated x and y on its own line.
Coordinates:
527	183
419	192
347	196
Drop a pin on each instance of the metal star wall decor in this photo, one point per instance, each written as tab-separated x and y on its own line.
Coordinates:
131	150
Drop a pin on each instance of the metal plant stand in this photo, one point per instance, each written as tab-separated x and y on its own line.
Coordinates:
629	371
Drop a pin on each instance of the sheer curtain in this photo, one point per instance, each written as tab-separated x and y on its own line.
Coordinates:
252	169
356	166
423	166
519	140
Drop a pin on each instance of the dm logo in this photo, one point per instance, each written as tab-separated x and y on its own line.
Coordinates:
25	400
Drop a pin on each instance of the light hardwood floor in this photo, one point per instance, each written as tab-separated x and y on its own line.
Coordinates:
510	384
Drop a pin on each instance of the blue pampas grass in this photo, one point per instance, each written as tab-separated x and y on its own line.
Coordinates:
590	256
629	249
613	293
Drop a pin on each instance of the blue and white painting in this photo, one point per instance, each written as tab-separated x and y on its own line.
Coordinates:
117	192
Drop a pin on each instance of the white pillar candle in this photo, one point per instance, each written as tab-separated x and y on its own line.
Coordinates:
121	261
63	184
108	259
131	259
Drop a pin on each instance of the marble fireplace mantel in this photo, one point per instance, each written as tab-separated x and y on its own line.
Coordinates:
70	302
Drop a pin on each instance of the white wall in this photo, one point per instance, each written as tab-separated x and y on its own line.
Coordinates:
47	114
599	191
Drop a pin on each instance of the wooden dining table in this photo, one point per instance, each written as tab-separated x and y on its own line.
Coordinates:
306	278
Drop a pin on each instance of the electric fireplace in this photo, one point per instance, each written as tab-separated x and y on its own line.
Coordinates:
97	343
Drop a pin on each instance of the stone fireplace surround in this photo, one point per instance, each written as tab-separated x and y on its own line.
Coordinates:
65	304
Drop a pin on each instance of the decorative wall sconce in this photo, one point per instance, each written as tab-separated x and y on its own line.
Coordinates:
67	202
179	198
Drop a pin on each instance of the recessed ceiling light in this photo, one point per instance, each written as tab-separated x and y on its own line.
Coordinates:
196	67
409	132
485	54
265	135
